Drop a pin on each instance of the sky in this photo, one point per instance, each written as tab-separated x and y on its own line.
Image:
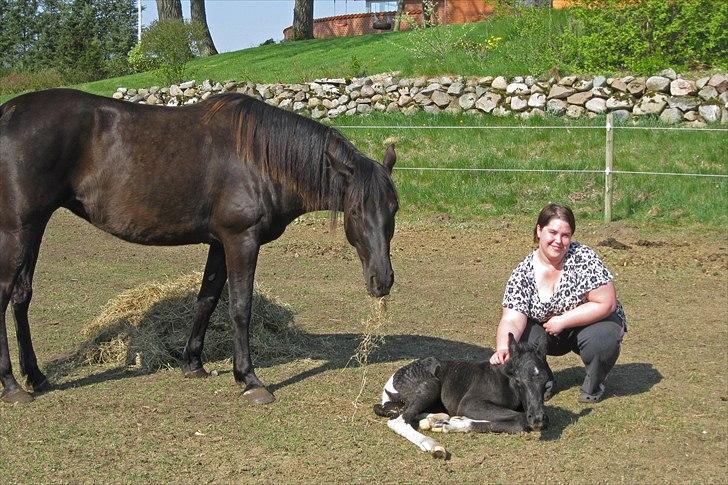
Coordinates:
239	24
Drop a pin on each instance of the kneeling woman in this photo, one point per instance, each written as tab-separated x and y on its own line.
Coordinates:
562	292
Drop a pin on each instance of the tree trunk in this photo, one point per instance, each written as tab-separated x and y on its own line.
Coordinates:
398	15
197	11
303	20
169	9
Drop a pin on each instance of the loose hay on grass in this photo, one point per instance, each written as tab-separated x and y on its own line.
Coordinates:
148	327
372	339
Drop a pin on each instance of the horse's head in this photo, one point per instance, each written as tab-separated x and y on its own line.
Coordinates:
369	207
527	370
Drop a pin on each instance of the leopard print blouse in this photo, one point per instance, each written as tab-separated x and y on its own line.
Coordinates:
583	271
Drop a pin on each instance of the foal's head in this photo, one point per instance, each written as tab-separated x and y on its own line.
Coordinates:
370	203
527	370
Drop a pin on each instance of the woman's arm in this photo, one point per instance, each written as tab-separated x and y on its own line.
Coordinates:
511	322
601	302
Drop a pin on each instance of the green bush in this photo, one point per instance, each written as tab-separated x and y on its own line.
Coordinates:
644	36
19	82
170	44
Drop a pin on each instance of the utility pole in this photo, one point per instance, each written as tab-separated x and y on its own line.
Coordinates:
139	20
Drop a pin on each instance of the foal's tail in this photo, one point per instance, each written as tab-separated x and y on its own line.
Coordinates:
390	409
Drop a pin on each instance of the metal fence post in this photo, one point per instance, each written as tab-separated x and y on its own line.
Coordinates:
608	169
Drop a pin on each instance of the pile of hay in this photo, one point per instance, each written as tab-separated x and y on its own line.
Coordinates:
148	327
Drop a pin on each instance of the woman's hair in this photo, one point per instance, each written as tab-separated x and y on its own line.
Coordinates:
554	211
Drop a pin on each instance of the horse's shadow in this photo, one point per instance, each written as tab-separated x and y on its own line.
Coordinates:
335	351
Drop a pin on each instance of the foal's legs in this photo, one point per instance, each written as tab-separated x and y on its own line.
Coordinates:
21	296
213	282
476	415
10	262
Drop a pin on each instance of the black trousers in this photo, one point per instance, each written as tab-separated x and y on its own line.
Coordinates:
597	344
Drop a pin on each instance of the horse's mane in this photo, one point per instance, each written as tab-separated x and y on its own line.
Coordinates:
294	150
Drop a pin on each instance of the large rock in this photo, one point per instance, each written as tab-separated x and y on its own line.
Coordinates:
517	88
488	102
619	102
652	104
719	82
710	112
518	104
708	93
686	103
537	100
682	87
579	99
441	99
671	116
596	105
499	83
560	92
467	101
574	111
556	107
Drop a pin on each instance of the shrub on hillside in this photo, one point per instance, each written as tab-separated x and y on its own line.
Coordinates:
644	36
18	82
170	44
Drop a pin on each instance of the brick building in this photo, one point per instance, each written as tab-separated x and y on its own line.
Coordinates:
447	12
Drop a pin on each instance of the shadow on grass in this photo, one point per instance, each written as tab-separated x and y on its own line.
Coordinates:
624	379
277	340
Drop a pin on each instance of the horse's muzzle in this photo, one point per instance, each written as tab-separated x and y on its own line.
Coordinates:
379	287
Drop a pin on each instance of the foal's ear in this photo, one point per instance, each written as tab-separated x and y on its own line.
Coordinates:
542	347
513	347
390	156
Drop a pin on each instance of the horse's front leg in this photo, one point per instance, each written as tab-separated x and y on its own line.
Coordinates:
241	255
482	417
213	282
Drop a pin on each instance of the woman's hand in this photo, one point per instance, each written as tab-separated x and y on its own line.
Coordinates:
555	325
500	357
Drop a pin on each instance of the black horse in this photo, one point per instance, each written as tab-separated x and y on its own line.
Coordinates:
479	396
231	172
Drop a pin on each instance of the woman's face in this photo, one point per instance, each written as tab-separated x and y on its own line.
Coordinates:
554	238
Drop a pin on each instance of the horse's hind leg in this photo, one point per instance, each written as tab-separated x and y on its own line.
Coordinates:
21	296
213	282
10	263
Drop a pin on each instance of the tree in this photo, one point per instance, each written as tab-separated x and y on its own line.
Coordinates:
398	15
197	10
303	20
169	9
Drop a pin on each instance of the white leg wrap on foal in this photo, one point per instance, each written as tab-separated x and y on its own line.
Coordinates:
460	424
405	430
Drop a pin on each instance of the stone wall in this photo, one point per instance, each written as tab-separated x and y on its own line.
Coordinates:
667	96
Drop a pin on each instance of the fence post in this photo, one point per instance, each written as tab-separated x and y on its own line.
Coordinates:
608	169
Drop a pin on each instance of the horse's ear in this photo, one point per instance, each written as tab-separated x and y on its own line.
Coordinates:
340	168
390	156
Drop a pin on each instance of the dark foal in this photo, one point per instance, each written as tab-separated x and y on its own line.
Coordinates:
460	396
236	175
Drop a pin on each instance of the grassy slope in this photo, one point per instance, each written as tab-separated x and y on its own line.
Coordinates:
467	195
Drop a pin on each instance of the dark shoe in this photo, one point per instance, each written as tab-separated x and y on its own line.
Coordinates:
592	398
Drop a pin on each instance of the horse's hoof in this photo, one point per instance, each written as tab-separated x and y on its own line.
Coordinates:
17	396
259	395
43	386
439	453
197	374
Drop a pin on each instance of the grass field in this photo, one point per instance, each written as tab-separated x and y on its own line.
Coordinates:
663	420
